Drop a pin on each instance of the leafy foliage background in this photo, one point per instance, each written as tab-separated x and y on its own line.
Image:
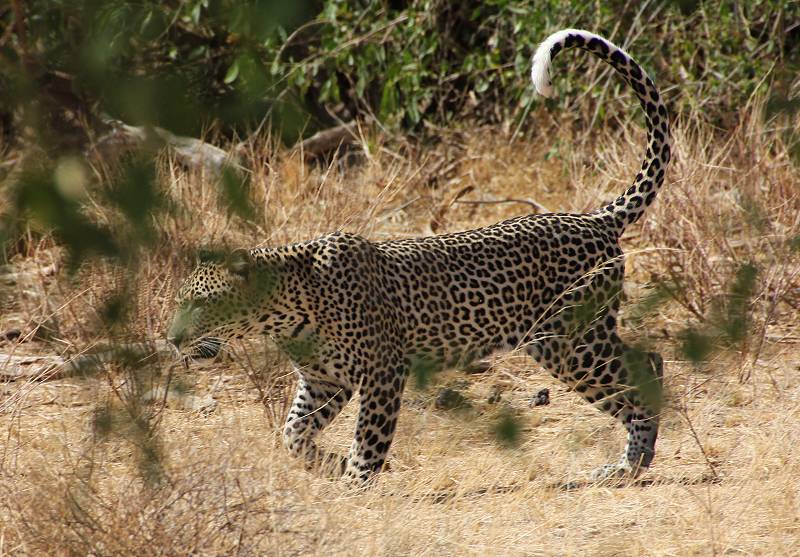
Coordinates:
191	65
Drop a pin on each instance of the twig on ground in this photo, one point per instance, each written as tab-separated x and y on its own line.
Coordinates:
530	202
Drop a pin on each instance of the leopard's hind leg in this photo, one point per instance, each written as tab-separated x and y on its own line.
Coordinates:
618	379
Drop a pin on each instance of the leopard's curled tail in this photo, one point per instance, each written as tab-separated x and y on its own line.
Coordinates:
629	206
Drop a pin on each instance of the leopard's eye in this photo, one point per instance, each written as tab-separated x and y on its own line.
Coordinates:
202	299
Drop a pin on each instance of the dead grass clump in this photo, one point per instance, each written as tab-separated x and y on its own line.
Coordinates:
202	508
732	211
724	477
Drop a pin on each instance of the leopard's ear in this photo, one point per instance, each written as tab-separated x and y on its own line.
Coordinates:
202	256
208	255
240	261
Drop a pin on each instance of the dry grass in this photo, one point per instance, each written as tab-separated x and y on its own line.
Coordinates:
726	477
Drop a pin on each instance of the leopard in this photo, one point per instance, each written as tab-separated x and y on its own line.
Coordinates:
355	315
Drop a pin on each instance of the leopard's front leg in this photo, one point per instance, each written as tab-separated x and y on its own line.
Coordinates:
315	405
377	421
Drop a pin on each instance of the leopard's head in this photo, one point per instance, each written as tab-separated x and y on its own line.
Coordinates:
221	299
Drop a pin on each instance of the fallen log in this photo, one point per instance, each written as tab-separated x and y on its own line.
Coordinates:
325	141
192	152
38	367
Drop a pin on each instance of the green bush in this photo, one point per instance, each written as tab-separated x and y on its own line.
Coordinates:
190	65
444	60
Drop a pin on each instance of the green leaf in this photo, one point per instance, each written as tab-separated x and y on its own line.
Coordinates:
234	190
423	367
696	346
233	73
507	429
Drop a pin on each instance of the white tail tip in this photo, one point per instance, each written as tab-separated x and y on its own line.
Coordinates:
540	72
